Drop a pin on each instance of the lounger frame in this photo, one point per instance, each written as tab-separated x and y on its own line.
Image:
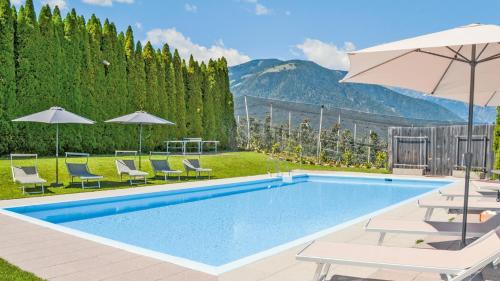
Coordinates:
131	178
449	274
83	179
166	173
188	166
23	184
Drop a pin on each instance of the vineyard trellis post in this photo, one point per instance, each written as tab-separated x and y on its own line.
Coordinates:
369	146
318	151
289	123
248	123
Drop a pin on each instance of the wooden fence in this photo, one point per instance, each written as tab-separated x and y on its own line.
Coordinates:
439	150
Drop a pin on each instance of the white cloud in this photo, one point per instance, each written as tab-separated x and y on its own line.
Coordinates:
288	13
59	3
107	2
138	25
326	54
261	10
191	8
186	47
17	2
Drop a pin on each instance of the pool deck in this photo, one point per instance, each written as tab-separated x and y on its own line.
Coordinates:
54	255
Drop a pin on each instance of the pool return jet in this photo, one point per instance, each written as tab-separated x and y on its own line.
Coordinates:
444	64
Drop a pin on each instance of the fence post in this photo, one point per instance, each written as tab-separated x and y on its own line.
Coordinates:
248	123
238	126
354	136
369	146
338	136
318	152
289	124
271	116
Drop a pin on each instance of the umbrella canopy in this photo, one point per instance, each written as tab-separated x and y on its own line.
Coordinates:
55	115
140	118
460	64
438	64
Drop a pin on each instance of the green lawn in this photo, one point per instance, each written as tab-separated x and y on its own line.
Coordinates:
9	272
224	165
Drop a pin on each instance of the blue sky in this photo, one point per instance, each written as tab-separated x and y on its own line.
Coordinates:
321	31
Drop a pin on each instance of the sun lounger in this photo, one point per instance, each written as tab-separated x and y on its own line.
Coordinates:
194	165
127	167
162	167
452	265
81	171
26	175
476	205
384	226
452	193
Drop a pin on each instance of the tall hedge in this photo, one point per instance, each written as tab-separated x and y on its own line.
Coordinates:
90	68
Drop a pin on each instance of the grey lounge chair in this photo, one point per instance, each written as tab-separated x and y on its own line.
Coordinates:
27	175
162	167
194	165
81	171
475	229
452	265
127	167
487	203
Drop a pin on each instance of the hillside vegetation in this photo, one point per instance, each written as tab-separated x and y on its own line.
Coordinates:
307	82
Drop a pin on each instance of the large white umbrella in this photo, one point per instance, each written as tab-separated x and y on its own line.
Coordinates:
55	115
141	118
461	64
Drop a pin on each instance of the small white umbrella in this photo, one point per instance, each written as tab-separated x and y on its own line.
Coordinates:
141	118
55	115
461	63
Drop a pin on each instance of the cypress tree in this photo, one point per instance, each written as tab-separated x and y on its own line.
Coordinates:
27	57
7	77
208	87
194	105
180	97
170	90
163	98
152	93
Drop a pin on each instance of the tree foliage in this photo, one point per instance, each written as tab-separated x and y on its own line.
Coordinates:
90	68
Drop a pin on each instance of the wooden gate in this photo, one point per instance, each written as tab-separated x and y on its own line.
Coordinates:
440	150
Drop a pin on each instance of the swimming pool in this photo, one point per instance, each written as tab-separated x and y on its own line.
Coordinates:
217	228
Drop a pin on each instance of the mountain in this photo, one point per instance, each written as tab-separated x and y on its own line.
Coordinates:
481	114
308	82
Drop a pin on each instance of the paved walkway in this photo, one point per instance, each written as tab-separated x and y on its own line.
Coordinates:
54	255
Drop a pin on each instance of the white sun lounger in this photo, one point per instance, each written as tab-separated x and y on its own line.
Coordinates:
384	226
194	165
477	205
162	167
452	265
127	167
27	175
451	194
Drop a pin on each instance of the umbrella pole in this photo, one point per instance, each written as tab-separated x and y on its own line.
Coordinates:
56	184
140	144
468	153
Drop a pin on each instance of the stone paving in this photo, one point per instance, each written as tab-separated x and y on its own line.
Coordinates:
54	255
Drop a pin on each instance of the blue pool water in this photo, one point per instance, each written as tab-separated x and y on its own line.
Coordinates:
221	224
